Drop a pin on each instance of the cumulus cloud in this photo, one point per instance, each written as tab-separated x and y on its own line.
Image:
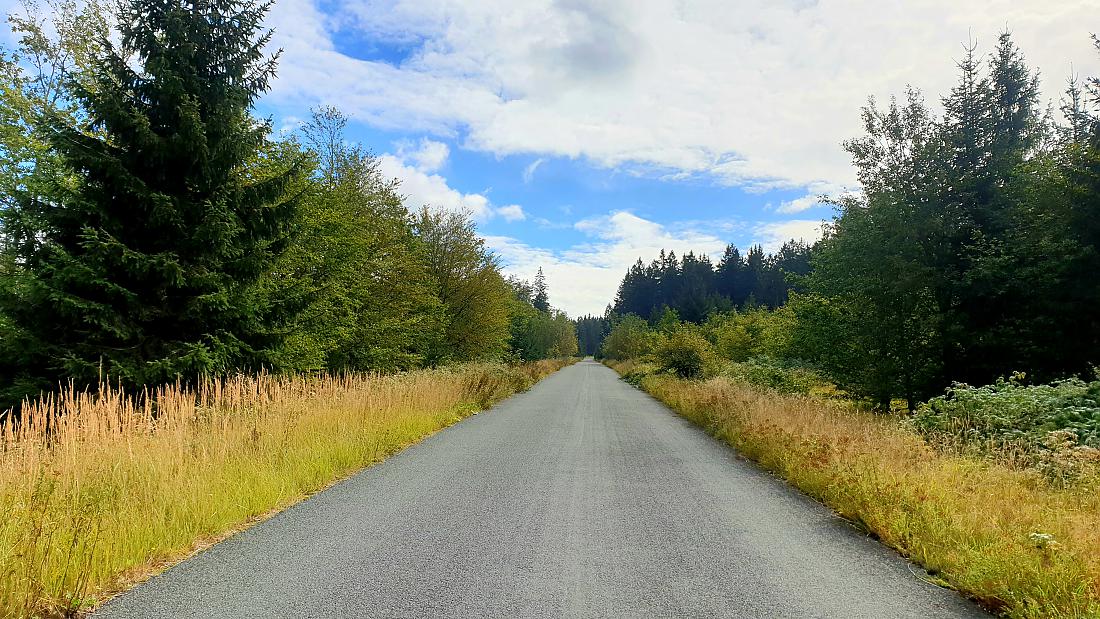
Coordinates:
583	278
799	204
752	92
512	212
415	164
428	155
422	188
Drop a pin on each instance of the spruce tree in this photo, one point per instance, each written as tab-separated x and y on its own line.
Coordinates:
541	300
146	255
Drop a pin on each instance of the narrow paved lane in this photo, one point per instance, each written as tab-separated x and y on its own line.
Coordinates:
581	498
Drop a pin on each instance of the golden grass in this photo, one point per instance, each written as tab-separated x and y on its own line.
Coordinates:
98	491
977	526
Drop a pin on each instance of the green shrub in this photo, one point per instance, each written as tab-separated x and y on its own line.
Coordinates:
1062	416
630	338
686	353
739	336
783	377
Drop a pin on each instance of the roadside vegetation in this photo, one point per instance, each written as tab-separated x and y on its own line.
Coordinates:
929	368
1020	540
99	490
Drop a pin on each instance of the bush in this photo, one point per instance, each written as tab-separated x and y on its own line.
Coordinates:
686	353
740	336
1008	412
630	338
785	378
1054	427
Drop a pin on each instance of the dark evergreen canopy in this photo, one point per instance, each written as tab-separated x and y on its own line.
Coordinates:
147	249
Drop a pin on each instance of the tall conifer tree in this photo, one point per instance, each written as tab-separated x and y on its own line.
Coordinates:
541	300
144	262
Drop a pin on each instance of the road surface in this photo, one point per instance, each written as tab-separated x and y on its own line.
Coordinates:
583	497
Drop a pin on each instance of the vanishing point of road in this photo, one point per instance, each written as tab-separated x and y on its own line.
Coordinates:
583	497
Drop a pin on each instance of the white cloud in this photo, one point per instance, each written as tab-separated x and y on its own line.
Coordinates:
428	155
772	235
799	204
415	166
753	92
529	171
422	188
584	278
512	212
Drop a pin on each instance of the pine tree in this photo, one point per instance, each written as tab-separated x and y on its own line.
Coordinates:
146	256
541	300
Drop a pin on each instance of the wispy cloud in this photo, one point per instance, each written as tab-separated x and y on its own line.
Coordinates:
529	171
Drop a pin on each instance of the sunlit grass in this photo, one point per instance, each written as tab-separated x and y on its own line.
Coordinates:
1004	536
97	491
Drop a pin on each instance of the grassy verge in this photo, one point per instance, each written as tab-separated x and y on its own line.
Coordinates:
1005	537
108	491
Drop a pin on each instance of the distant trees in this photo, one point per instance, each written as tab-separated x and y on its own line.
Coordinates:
591	330
539	333
630	338
695	288
541	298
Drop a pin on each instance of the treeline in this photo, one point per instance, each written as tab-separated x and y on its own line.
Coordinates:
694	287
972	252
591	331
153	229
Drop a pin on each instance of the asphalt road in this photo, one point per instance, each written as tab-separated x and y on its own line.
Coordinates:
583	497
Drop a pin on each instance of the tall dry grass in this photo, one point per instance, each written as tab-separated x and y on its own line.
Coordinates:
98	490
1005	537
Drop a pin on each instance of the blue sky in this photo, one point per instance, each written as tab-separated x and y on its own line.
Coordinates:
583	134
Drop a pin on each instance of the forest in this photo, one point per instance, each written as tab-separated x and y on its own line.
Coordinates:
970	255
153	229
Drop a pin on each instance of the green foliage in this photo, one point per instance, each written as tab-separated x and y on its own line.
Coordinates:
140	263
738	336
630	338
969	252
476	298
153	231
539	331
686	353
782	377
355	266
542	335
1009	413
